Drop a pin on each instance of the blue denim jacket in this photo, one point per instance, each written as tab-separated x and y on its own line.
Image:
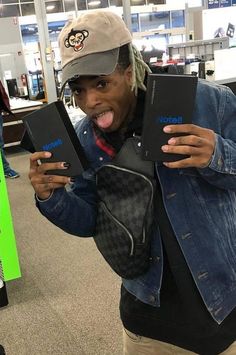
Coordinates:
200	204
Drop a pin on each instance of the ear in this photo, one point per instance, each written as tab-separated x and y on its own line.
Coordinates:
66	42
85	33
129	74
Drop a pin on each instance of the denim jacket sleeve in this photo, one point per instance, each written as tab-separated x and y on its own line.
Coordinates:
221	171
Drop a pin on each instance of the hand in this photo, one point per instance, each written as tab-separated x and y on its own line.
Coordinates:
44	184
198	144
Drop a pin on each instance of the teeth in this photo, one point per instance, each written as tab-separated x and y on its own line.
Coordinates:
101	114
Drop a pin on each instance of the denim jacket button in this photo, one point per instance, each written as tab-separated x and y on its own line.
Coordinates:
171	195
202	275
220	162
101	158
152	299
186	236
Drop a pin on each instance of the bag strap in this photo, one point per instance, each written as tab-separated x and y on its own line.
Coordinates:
129	157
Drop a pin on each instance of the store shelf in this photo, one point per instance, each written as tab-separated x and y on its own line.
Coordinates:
201	48
13	127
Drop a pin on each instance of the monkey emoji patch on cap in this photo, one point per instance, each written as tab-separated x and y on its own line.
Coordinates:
75	39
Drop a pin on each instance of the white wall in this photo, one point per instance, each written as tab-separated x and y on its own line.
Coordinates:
214	19
11	49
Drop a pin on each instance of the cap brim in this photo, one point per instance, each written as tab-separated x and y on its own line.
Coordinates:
102	63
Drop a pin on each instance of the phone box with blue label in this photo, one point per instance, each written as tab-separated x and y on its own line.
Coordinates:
50	129
169	100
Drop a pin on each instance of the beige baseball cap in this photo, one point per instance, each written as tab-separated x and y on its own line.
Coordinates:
89	45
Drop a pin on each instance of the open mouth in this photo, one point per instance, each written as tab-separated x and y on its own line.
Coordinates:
104	119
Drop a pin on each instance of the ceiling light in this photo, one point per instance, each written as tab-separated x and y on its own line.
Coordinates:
5	55
94	3
50	7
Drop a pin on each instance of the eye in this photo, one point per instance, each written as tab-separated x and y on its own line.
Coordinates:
77	91
102	84
72	39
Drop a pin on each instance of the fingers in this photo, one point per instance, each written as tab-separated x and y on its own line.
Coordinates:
198	157
45	184
35	157
184	163
191	140
50	181
35	166
180	149
196	142
43	168
42	182
184	128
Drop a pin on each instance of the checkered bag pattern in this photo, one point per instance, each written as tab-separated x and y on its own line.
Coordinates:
124	219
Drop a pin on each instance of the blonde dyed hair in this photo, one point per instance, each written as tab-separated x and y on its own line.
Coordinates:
139	69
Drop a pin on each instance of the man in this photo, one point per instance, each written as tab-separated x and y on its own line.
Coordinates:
5	109
185	302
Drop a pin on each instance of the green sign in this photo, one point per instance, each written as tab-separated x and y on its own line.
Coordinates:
9	263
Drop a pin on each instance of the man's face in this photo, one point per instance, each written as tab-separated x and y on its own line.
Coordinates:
107	100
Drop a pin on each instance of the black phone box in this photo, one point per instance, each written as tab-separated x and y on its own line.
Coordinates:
169	100
50	129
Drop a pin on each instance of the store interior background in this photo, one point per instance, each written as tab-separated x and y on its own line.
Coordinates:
182	37
166	31
67	300
172	36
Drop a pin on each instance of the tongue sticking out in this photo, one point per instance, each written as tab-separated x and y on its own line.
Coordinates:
105	120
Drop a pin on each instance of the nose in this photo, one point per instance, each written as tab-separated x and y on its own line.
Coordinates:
93	99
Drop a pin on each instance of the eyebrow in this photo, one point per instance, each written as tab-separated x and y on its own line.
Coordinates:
76	83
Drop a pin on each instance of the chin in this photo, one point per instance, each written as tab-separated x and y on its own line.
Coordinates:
112	128
109	130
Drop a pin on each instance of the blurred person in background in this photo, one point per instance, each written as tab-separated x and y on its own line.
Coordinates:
5	110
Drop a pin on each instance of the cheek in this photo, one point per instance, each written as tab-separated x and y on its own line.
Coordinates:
124	96
80	103
126	99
